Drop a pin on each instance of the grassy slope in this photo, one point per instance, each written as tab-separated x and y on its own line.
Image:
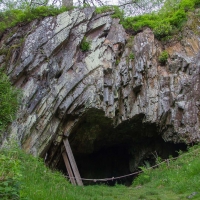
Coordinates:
176	181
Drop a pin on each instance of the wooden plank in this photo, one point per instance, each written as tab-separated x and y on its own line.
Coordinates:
69	126
69	170
72	162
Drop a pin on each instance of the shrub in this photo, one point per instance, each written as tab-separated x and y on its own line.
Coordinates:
163	57
131	56
9	101
85	45
162	29
10	173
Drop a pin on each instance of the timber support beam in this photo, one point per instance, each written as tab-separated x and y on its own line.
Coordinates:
70	164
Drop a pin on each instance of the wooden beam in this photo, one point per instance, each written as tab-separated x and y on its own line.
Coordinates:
72	161
69	170
69	126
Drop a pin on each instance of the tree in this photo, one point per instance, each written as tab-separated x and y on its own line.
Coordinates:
22	4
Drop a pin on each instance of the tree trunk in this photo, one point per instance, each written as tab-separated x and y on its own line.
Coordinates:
67	3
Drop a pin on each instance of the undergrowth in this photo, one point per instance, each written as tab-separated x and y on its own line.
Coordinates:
26	177
10	173
9	101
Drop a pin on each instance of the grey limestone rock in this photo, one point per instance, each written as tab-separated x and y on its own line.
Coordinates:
60	82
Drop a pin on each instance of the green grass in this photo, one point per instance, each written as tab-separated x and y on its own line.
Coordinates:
180	177
30	179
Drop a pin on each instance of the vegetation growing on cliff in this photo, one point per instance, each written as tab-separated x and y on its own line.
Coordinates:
85	45
9	101
13	17
164	23
167	21
116	11
163	57
23	176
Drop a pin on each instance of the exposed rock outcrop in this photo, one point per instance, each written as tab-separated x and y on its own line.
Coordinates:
64	88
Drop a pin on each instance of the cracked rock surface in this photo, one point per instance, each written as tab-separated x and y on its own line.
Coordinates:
61	83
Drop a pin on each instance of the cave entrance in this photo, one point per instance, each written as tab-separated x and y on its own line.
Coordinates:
102	151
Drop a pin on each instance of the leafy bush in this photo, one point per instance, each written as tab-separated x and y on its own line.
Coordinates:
9	189
10	173
9	101
163	57
85	45
162	29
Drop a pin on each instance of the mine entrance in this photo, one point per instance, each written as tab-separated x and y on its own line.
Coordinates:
102	151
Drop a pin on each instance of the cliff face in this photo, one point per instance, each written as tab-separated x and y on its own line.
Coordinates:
114	93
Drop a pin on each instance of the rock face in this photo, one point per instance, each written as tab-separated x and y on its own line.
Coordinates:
116	92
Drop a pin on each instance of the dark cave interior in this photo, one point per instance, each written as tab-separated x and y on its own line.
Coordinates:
102	151
118	160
